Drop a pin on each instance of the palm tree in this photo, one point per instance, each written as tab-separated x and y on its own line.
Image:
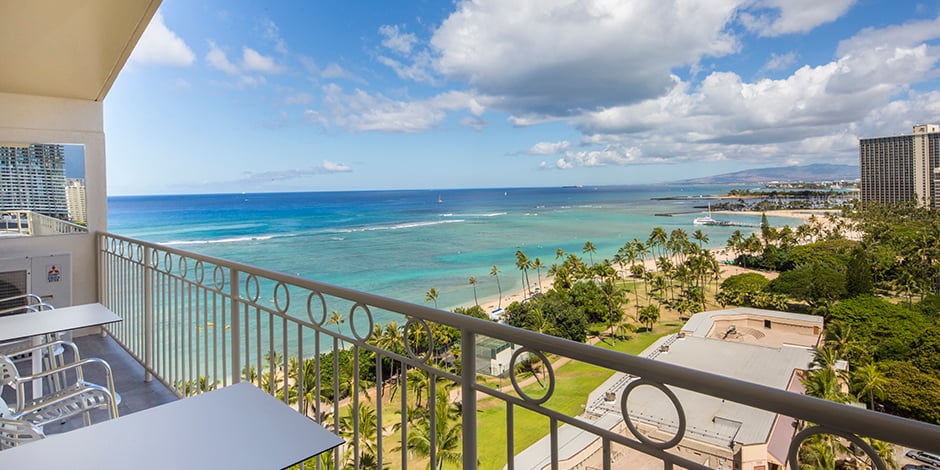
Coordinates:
446	431
559	253
539	321
657	238
701	236
649	315
359	426
495	273
336	319
869	380
473	282
523	263
537	264
825	384
431	296
589	249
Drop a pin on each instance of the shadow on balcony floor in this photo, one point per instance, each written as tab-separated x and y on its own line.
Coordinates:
136	395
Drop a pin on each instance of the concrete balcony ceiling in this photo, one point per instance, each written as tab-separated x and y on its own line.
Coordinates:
68	49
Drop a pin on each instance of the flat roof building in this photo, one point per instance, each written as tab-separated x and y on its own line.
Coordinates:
902	168
759	346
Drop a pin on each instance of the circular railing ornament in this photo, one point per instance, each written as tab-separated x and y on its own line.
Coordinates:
218	278
636	432
251	284
406	335
154	258
139	253
167	262
277	299
515	382
183	266
352	321
310	309
199	271
800	437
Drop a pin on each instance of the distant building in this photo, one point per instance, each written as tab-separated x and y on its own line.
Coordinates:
902	168
75	194
32	177
759	346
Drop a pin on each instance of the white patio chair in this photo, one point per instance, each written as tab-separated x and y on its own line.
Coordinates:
74	397
14	432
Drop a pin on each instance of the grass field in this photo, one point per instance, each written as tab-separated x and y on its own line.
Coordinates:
574	381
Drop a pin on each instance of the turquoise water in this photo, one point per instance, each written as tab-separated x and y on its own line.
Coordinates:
401	243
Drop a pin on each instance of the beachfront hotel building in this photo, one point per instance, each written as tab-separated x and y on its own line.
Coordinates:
32	178
173	304
902	168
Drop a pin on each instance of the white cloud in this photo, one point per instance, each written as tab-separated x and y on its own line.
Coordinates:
778	62
905	35
254	61
217	59
611	155
326	167
361	111
271	32
549	148
779	17
532	57
335	71
418	70
331	167
158	45
397	41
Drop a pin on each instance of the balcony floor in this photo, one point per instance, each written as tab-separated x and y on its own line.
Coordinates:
129	382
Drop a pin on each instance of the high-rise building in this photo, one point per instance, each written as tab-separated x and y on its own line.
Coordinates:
75	193
32	177
902	168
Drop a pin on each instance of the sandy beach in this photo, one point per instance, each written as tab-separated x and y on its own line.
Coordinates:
722	254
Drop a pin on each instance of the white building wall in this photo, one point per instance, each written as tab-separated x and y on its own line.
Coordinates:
31	119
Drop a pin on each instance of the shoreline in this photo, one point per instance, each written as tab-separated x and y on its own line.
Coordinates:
721	253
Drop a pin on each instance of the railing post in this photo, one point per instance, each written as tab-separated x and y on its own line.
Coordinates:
468	399
236	327
148	315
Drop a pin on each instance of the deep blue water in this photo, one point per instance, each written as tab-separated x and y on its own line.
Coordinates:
402	243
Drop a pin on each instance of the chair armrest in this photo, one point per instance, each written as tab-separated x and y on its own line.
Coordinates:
28	297
20	382
51	344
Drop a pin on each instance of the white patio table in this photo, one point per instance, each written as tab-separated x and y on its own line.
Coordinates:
37	324
238	426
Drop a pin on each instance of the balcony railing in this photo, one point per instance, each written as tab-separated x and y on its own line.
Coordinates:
197	322
25	222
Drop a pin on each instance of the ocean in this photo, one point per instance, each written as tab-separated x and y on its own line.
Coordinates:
401	243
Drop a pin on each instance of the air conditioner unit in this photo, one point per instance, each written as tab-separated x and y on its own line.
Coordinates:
48	276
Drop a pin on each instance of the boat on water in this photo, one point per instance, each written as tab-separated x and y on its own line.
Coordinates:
709	220
706	220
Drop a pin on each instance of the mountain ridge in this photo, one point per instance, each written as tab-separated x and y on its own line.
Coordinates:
812	173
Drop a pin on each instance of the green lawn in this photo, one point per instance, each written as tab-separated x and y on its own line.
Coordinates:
573	383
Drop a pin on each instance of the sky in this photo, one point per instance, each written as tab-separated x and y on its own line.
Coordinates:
238	96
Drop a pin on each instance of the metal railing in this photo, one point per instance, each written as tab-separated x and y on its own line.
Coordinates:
26	222
197	322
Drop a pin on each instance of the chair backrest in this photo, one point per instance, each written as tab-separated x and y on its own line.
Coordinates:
8	372
14	432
